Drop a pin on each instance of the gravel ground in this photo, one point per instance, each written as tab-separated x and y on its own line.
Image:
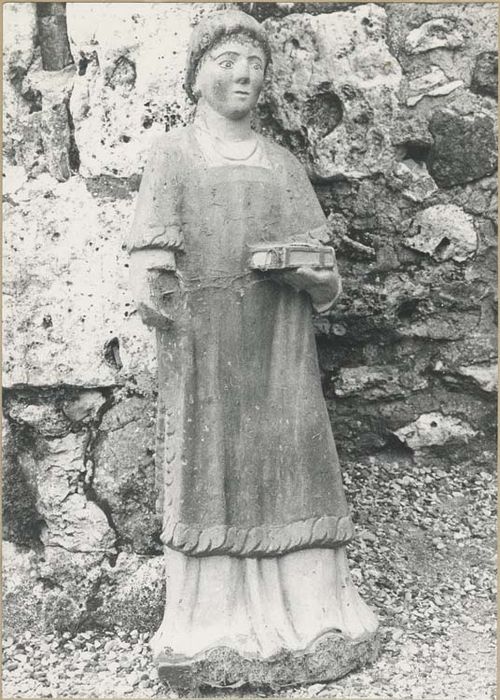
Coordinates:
424	559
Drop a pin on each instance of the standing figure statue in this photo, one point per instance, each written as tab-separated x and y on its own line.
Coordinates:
255	521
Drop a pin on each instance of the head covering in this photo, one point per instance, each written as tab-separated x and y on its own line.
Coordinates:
212	29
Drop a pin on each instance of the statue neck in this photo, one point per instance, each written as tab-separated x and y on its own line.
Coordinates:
221	127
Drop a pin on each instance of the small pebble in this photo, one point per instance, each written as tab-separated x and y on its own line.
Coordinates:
316	688
132	679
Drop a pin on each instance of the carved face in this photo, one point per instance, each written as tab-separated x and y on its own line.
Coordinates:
230	77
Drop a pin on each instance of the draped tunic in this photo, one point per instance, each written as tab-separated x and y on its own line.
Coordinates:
246	460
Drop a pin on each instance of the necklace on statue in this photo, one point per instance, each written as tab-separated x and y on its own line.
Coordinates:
223	153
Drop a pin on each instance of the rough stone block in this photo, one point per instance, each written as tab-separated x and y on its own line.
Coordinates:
485	376
442	32
444	232
131	594
124	473
464	147
78	525
57	590
66	283
67	584
432	84
485	74
413	180
56	472
337	116
45	418
21	591
434	429
56	140
49	591
20	517
54	89
372	383
84	407
19	50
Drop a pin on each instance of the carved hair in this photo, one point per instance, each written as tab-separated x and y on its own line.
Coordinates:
212	30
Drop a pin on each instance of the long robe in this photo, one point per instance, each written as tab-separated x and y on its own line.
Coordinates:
246	459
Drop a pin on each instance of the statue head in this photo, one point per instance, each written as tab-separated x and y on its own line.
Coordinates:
227	59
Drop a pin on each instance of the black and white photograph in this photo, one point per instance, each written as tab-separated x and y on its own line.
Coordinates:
249	439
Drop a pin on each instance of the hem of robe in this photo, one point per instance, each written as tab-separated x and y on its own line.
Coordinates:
259	607
263	540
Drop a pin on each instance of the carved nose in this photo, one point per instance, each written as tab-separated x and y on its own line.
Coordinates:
242	73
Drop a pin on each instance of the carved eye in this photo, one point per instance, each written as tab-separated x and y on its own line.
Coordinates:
227	63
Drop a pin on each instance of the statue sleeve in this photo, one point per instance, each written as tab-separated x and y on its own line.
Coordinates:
156	224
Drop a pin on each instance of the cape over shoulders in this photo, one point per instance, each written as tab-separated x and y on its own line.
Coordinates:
168	149
281	153
177	144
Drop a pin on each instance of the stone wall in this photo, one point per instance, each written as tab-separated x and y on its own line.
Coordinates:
392	109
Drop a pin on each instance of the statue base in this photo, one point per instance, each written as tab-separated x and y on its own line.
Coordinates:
330	657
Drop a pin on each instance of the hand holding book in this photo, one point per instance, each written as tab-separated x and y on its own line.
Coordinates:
322	285
305	267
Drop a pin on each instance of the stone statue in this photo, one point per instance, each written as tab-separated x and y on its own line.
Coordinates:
255	520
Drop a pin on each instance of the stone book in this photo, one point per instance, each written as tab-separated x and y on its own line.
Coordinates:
290	256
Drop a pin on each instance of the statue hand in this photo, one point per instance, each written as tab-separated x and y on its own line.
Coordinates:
323	285
152	290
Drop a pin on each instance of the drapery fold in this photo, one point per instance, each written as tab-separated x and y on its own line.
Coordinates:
259	607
